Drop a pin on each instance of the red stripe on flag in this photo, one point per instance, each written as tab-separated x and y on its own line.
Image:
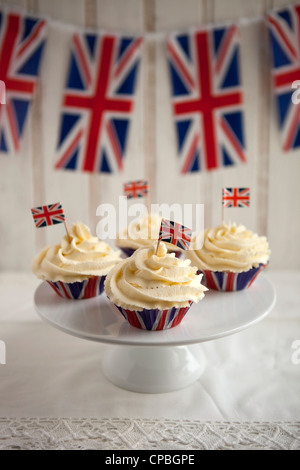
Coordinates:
210	282
176	59
31	38
162	320
224	47
230	281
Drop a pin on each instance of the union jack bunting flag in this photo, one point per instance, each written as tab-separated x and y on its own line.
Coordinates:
98	102
134	189
207	98
22	41
284	27
174	233
236	197
48	215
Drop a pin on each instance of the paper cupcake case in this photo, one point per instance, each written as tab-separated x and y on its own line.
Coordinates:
91	287
229	281
154	319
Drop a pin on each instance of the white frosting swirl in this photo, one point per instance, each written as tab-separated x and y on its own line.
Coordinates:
143	232
230	247
77	259
147	280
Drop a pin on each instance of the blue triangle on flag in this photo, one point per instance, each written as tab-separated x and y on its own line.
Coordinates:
29	24
235	121
121	127
226	157
284	102
67	123
72	162
232	75
218	35
3	146
31	66
124	43
286	16
20	108
178	87
296	143
128	84
182	129
74	80
185	44
91	43
196	162
280	58
104	167
0	19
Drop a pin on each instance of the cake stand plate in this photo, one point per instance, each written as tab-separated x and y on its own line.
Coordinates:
156	361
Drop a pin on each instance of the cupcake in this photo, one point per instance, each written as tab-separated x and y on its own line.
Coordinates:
76	268
142	233
231	257
154	291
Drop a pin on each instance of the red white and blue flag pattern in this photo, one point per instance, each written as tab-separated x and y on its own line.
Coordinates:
135	189
207	98
284	27
235	197
22	41
48	215
174	233
98	102
154	319
86	289
229	281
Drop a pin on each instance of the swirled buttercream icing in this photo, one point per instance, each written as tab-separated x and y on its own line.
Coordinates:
230	247
76	258
154	281
140	233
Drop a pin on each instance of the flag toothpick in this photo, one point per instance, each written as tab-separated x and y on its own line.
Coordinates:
174	233
137	189
51	214
234	197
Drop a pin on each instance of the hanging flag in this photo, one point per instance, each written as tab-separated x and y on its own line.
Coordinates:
207	98
48	215
22	41
236	197
134	189
284	27
98	102
174	233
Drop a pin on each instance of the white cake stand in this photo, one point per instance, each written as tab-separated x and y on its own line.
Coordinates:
156	361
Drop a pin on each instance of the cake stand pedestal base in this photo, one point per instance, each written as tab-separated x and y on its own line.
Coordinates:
155	369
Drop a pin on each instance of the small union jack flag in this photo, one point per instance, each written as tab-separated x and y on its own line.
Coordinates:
207	98
284	27
22	41
236	197
48	215
134	189
174	233
98	102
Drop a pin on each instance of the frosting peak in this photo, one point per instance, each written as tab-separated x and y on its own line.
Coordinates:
154	281
76	258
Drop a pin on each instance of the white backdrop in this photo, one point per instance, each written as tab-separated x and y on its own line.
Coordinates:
28	178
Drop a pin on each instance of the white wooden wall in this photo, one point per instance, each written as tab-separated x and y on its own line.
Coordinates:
28	179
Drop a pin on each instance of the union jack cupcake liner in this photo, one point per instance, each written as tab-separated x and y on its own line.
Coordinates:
86	289
154	319
228	281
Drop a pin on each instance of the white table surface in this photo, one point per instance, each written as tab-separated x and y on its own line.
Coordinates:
53	393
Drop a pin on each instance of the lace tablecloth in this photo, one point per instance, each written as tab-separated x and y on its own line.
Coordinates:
53	394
